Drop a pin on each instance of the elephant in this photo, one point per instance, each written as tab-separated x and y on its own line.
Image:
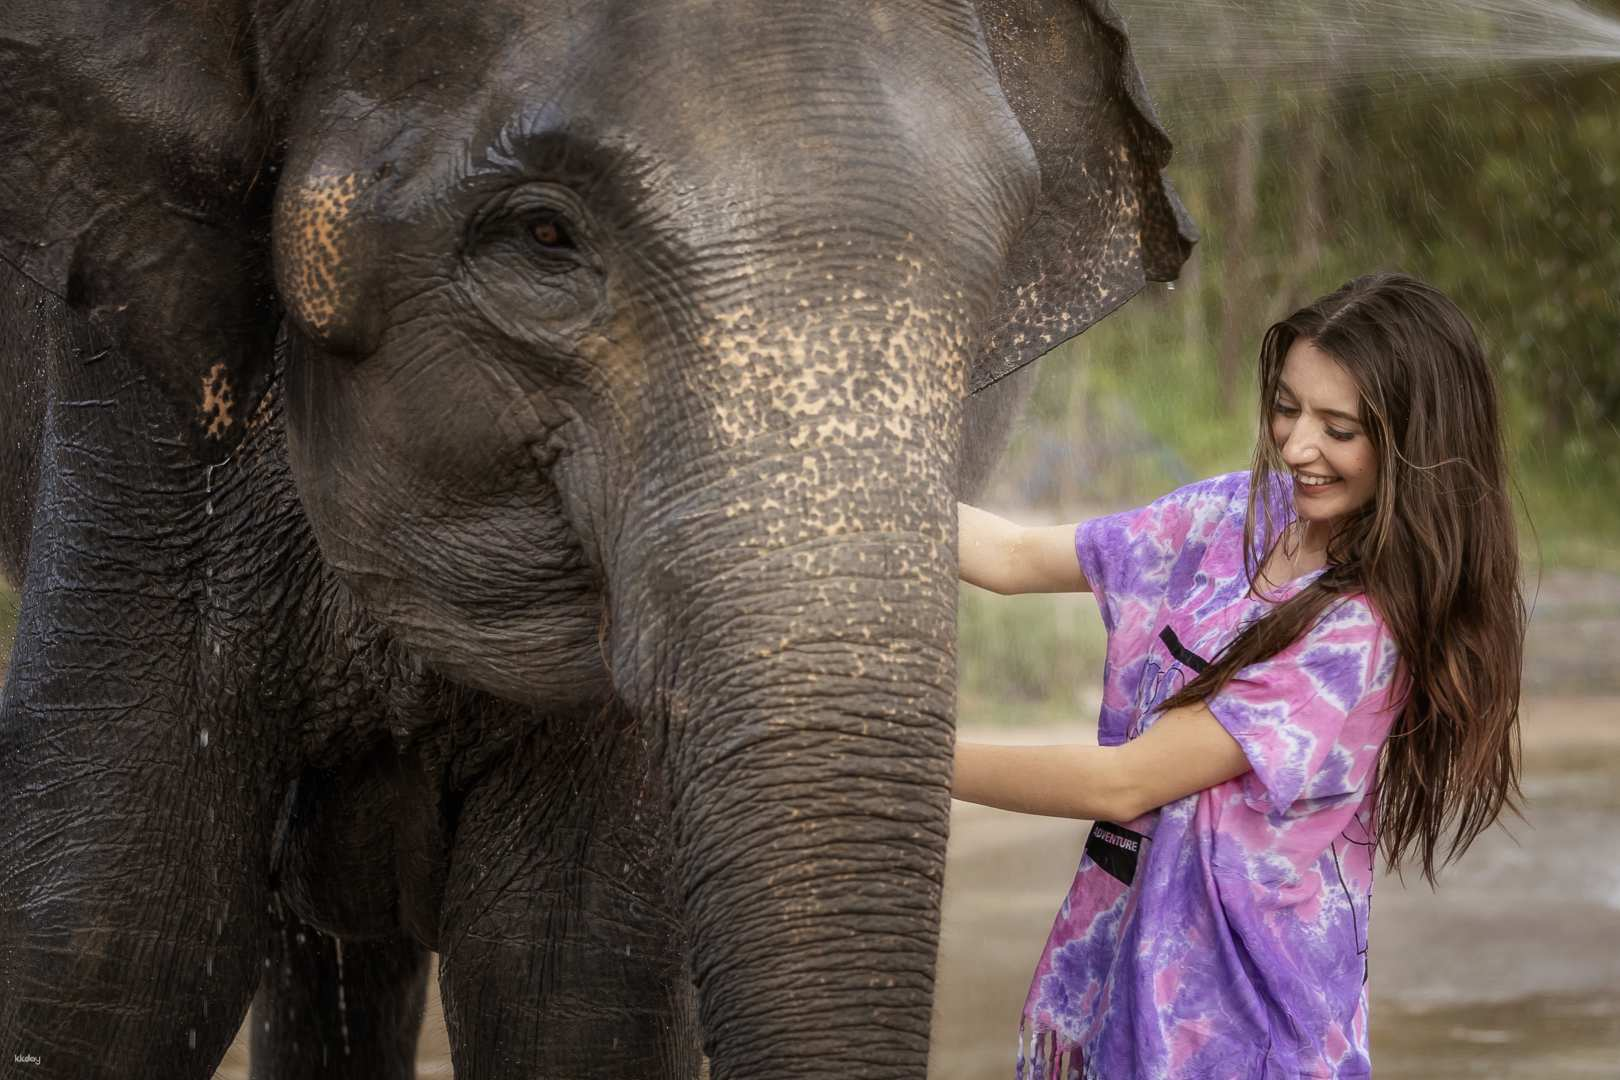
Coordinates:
479	477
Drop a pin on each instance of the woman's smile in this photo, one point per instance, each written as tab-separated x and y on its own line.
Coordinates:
1310	485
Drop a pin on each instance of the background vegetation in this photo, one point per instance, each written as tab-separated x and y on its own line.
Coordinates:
1502	189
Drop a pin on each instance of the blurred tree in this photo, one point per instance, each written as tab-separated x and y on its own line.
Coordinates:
1506	197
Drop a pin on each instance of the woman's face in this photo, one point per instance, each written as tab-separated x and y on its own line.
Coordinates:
1316	425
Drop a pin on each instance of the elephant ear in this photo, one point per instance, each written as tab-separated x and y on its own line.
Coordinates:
1108	220
129	151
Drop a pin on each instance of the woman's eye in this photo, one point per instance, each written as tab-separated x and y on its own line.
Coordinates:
1284	410
1342	436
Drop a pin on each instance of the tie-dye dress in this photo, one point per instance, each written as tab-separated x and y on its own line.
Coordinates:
1223	935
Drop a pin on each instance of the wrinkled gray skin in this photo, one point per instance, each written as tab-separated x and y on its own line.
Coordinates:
480	479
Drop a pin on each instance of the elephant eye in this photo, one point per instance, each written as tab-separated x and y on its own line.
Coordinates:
553	235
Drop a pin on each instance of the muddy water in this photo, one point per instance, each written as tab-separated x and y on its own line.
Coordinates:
1511	970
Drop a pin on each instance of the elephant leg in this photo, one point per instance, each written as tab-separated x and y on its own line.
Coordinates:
330	1009
560	954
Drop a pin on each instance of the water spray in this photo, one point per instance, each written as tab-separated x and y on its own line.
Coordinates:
1434	37
1318	47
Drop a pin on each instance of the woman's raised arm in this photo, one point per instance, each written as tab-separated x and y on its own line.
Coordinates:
1007	558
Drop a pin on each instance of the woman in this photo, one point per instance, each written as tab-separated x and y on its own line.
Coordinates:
1307	662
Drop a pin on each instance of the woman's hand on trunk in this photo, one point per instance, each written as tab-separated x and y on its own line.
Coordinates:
1007	558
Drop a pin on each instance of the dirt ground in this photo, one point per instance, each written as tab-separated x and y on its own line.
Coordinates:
1511	970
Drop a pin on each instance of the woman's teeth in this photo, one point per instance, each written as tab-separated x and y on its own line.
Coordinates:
1313	481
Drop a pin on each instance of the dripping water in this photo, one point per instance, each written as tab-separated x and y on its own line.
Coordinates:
342	999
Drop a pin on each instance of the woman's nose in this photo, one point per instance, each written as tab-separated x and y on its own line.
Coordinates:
1300	448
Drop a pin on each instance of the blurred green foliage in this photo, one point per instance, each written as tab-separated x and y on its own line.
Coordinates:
1041	648
1506	198
1501	191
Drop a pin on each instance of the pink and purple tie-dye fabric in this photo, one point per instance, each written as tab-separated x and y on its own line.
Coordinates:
1232	943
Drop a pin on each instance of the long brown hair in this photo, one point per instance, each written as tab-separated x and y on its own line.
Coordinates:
1435	552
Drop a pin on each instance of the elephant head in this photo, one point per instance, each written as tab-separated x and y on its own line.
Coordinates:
626	348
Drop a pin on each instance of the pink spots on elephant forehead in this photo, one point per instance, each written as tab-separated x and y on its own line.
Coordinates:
876	358
218	399
836	381
315	269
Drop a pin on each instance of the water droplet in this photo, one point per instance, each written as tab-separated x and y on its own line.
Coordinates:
343	1006
202	739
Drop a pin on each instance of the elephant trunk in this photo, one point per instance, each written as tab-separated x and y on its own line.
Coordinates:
805	731
786	625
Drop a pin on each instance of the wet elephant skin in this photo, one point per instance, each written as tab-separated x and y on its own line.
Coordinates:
480	480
